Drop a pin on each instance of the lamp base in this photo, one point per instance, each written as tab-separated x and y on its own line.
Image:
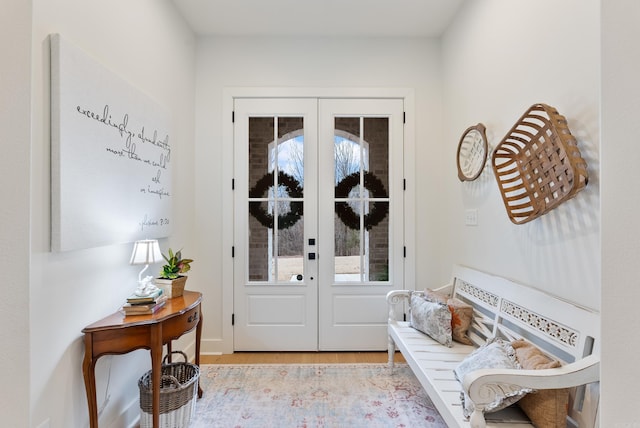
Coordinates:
146	287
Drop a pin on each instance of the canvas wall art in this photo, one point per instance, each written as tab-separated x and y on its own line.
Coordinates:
110	155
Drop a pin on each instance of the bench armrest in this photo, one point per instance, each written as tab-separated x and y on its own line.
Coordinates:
583	371
482	386
394	298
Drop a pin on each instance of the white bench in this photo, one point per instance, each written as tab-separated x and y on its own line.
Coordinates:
508	310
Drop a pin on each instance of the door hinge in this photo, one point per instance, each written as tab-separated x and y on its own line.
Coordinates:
233	319
404	317
404	184
233	117
404	117
233	251
404	251
233	184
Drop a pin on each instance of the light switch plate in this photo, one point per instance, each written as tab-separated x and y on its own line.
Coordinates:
471	217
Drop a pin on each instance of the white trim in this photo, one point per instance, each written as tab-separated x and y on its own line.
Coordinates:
228	96
410	191
248	92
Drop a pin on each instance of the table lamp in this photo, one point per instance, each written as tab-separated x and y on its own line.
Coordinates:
145	252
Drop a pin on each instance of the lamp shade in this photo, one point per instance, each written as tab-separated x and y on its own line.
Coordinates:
146	252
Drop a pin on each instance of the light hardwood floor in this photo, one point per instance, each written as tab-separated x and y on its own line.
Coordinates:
298	358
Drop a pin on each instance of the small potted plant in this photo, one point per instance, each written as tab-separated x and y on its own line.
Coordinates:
170	280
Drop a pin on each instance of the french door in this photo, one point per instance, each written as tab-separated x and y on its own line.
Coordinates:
318	222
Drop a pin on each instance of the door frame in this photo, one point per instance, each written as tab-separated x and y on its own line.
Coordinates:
227	241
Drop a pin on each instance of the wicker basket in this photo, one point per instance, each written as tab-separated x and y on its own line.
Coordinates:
538	164
178	389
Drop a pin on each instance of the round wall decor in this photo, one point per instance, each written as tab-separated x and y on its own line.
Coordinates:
472	152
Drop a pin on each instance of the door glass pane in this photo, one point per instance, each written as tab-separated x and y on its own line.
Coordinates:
377	248
347	243
361	170
276	173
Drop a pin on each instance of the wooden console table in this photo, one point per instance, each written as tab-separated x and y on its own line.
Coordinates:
117	334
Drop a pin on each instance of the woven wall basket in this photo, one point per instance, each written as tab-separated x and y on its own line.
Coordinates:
538	164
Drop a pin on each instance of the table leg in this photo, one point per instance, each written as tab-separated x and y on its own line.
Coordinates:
88	371
198	335
169	351
156	370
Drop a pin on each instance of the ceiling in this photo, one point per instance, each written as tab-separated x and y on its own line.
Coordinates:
354	18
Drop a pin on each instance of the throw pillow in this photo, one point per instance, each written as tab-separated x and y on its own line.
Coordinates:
435	296
532	358
433	319
497	354
461	314
546	408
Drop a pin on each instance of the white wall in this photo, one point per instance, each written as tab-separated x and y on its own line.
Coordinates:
301	63
15	134
146	43
620	207
499	58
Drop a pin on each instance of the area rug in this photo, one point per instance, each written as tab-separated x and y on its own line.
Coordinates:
312	396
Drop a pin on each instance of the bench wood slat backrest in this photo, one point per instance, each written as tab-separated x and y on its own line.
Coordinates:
507	309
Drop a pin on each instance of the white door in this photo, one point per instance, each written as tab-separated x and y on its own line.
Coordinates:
275	143
361	220
315	257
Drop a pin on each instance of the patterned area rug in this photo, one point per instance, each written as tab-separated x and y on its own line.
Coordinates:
312	396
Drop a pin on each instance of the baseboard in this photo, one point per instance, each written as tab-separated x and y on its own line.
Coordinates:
212	347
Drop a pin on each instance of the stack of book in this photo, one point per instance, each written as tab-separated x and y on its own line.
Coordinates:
144	305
